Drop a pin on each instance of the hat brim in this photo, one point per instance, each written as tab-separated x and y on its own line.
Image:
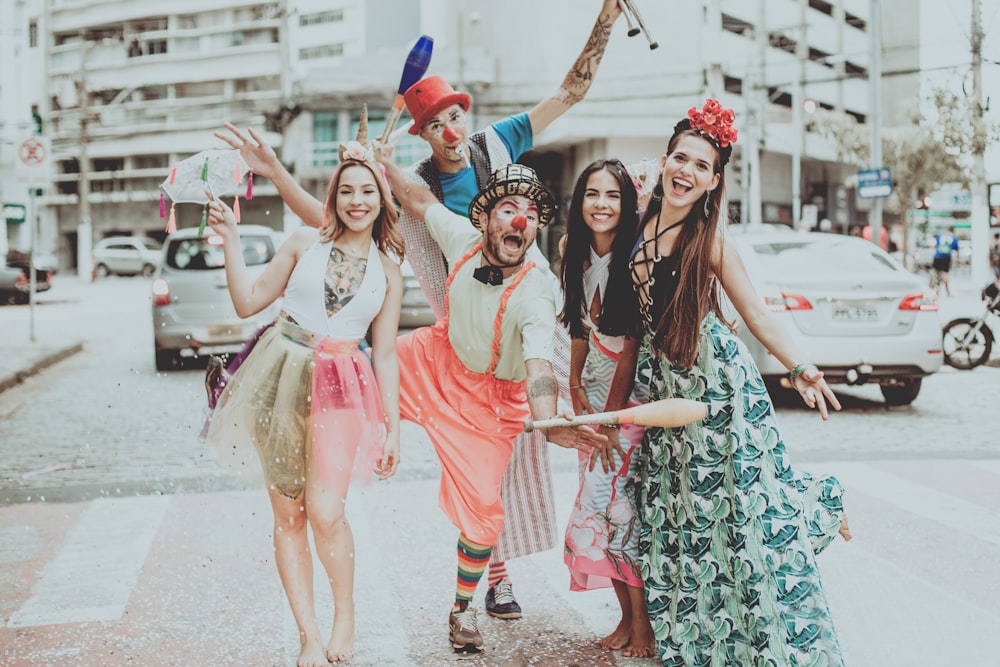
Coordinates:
460	99
533	190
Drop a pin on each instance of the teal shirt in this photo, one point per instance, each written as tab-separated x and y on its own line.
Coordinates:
460	188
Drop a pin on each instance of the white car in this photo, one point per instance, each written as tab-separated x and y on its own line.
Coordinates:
126	256
193	315
852	310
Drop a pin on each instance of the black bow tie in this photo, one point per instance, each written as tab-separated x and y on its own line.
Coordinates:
489	275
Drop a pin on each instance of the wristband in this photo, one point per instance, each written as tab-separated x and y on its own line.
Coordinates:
799	370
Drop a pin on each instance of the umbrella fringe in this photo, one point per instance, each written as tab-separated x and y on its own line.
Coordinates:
172	222
249	194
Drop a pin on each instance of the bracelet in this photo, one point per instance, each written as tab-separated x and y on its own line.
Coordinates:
799	370
611	426
576	386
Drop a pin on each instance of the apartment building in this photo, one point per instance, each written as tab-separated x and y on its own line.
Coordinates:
125	89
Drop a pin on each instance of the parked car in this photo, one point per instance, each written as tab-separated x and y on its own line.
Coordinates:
126	256
416	311
850	308
15	283
193	314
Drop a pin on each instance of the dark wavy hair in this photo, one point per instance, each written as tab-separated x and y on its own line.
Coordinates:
620	306
677	330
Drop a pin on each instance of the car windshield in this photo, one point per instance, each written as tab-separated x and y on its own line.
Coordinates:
800	257
206	253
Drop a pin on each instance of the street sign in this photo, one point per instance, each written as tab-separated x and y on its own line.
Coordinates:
34	162
874	182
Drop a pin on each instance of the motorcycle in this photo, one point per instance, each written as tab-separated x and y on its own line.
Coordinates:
968	342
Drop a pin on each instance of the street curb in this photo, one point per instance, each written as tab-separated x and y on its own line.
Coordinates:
47	360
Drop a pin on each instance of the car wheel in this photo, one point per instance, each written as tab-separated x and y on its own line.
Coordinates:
167	360
102	271
903	393
964	348
148	270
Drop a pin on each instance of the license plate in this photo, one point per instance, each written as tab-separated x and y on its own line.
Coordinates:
854	312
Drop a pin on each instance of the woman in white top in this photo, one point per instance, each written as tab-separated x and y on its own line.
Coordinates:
602	536
306	398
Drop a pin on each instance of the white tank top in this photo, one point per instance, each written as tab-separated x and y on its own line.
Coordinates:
305	298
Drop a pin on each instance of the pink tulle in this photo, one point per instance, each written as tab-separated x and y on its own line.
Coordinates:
347	422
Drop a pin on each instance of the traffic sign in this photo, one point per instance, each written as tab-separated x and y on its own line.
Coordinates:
874	182
34	162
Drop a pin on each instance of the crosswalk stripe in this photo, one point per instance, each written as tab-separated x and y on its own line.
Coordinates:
91	576
975	520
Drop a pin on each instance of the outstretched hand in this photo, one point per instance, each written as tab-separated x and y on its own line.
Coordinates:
258	155
583	438
815	391
606	454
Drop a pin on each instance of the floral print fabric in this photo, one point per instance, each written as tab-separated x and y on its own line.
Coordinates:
728	530
602	537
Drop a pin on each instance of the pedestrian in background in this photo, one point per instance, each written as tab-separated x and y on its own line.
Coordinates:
602	537
307	399
945	245
728	531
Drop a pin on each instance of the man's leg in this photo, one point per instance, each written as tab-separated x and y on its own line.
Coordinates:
500	600
463	630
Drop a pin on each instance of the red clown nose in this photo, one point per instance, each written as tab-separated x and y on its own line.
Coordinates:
450	134
519	222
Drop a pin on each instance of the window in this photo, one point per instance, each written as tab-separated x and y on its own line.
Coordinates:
733	85
325	51
855	21
32	33
736	26
855	70
779	41
109	164
331	16
822	5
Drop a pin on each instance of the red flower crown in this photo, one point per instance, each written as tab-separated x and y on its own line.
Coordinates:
714	121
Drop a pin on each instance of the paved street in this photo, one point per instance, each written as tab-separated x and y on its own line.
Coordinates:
123	543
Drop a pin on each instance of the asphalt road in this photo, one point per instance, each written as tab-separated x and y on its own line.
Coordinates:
123	543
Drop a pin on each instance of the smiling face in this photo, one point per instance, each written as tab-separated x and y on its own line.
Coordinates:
602	202
358	200
688	171
509	230
446	131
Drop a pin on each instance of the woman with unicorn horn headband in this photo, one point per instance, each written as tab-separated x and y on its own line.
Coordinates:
307	401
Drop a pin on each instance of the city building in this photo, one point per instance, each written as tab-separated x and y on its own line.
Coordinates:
123	90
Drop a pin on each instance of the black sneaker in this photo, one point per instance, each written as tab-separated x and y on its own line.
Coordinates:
463	632
500	601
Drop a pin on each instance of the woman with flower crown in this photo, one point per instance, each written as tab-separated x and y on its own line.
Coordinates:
728	530
306	398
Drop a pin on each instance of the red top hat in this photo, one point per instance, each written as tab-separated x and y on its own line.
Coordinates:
429	96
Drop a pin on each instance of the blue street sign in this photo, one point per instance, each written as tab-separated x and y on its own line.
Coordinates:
874	182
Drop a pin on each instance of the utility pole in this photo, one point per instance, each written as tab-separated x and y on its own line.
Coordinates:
798	98
85	229
979	218
875	114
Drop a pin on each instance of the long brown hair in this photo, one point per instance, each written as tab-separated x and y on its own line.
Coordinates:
385	231
677	331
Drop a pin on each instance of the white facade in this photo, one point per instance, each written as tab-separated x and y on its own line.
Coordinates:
162	78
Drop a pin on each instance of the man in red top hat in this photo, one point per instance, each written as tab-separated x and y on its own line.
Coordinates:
459	167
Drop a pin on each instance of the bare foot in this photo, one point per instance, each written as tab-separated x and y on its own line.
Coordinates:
643	644
341	646
312	655
845	530
618	638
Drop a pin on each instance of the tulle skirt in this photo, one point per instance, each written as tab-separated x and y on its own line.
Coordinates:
298	394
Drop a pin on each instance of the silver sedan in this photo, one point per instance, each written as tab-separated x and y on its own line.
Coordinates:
852	310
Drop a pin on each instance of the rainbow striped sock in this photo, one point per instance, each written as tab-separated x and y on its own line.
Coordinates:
472	561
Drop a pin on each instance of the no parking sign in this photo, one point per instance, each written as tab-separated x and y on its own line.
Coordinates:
34	162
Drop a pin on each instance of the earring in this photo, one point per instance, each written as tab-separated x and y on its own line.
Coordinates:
657	192
708	207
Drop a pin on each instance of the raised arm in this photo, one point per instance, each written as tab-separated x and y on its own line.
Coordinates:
579	78
414	197
264	161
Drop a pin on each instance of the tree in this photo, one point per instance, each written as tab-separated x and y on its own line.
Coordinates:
924	153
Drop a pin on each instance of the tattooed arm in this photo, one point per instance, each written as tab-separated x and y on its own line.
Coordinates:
543	391
581	75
